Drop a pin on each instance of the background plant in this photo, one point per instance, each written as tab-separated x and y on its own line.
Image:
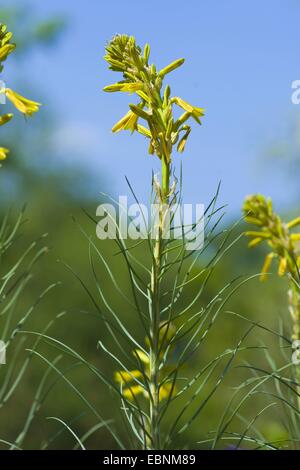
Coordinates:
284	244
25	106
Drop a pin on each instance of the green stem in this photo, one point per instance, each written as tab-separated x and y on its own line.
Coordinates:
157	264
294	304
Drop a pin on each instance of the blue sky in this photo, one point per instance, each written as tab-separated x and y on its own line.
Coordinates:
241	58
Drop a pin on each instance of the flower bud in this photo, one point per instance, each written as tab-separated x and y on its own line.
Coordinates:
169	68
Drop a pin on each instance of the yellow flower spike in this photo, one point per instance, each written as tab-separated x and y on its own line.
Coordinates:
139	76
284	245
5	118
24	105
266	266
143	357
165	391
123	376
133	391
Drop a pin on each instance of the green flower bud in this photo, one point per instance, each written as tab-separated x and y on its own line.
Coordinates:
169	68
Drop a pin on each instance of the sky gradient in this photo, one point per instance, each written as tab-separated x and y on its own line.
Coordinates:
241	58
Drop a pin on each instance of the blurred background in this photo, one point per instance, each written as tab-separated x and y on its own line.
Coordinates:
240	65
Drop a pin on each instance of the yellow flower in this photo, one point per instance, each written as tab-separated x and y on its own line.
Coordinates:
132	382
122	376
266	266
143	357
192	110
3	153
132	391
24	105
128	121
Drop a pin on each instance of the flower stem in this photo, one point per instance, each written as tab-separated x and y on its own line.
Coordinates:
294	306
157	266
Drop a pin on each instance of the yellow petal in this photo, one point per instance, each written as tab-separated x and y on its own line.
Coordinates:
120	125
126	87
5	51
123	376
255	242
143	357
131	392
282	266
3	153
144	131
183	104
24	105
144	96
183	140
295	237
266	266
253	220
252	233
293	223
131	124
